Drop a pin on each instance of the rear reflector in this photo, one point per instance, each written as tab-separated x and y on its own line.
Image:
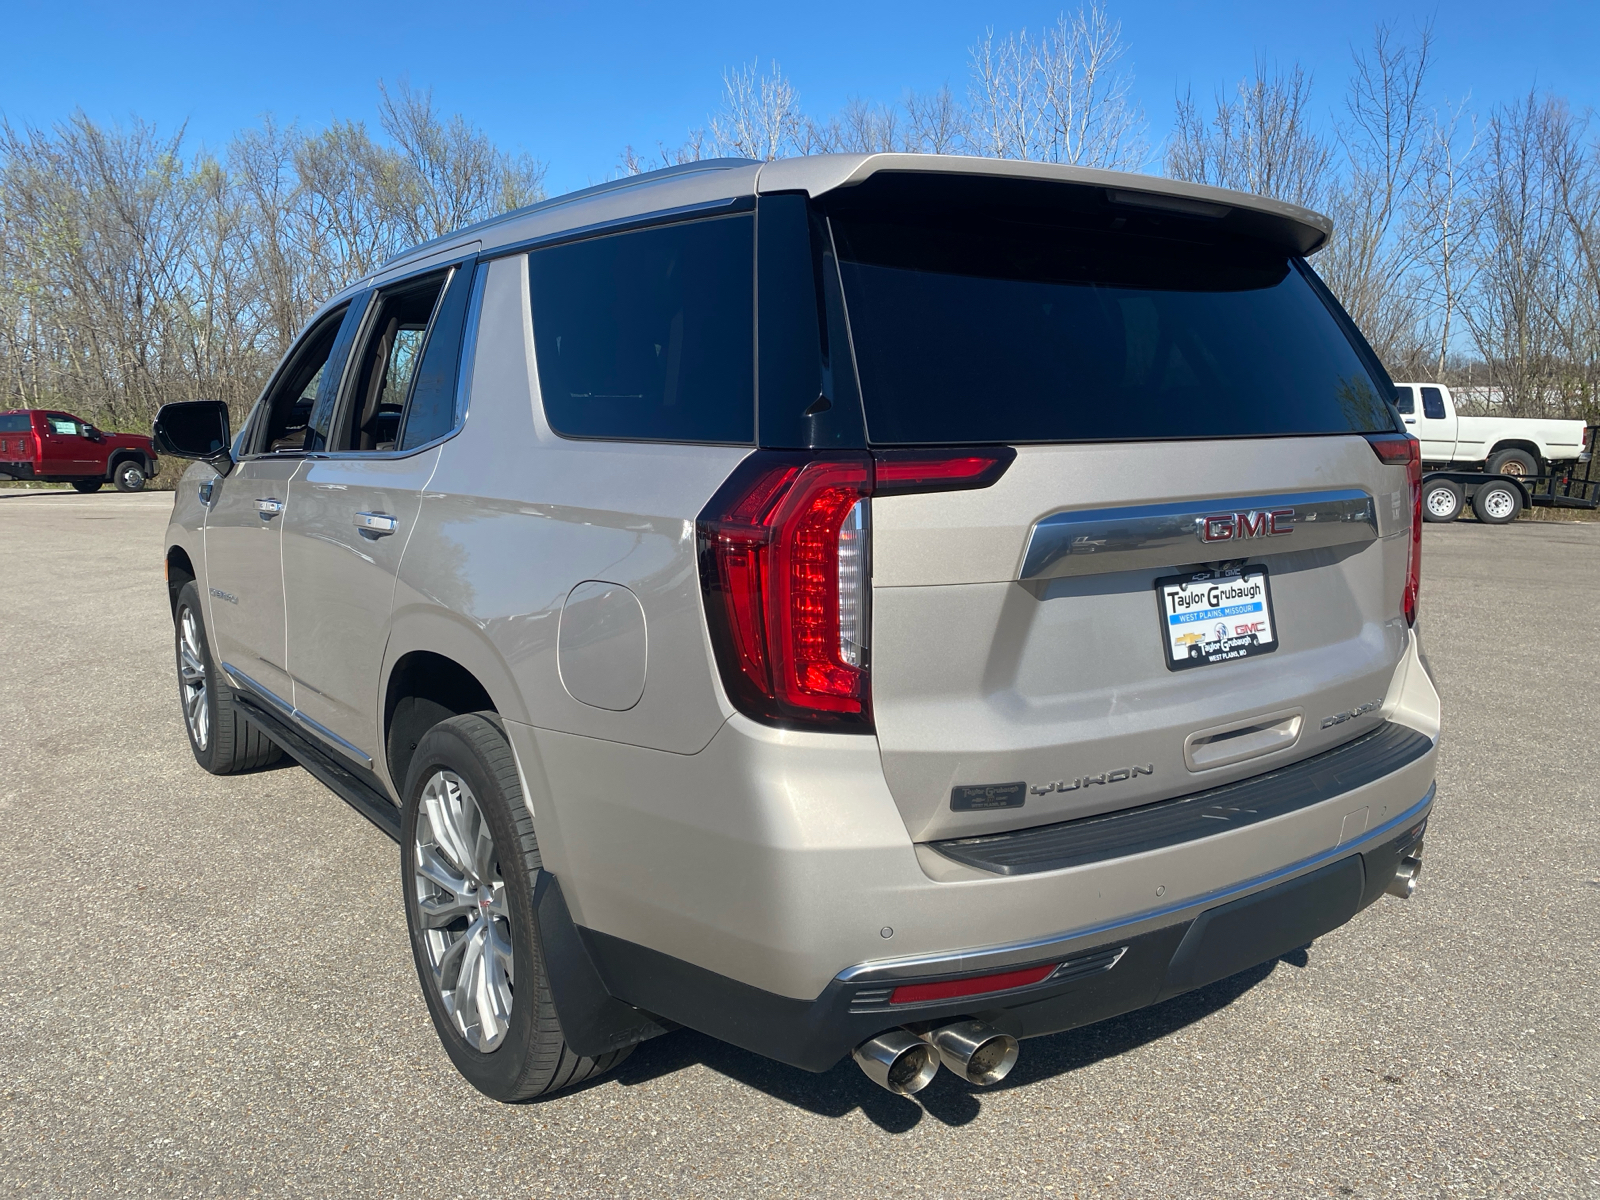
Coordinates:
1401	449
973	985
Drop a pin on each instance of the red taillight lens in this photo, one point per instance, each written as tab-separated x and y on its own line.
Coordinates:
973	985
1398	448
785	564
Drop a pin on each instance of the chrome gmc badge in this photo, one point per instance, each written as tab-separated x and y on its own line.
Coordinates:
1236	526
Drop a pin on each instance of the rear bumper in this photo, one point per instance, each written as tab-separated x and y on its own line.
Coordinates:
1103	972
759	890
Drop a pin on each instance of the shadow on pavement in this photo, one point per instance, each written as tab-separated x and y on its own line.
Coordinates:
950	1100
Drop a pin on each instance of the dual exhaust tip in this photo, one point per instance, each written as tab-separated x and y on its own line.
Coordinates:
1404	883
904	1062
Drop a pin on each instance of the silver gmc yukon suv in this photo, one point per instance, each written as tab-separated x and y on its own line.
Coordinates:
881	605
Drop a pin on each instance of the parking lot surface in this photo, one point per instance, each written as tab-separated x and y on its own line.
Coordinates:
208	989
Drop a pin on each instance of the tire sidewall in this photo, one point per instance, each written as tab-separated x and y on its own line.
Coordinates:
128	477
189	597
498	1073
1454	493
1481	506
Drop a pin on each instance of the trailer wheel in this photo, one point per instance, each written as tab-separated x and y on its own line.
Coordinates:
1441	500
1497	503
1512	462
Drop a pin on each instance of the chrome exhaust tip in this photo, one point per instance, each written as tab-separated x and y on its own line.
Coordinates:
979	1053
898	1061
1405	878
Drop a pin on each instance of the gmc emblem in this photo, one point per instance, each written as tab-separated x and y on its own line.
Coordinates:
1236	526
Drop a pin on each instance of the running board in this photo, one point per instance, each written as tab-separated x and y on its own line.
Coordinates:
342	778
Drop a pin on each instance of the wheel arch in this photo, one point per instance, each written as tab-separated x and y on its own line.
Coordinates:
437	666
180	570
1516	444
122	454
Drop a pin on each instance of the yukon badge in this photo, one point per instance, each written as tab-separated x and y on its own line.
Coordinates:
1117	776
1238	526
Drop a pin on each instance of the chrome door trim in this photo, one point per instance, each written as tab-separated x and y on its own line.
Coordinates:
1099	540
239	679
1066	944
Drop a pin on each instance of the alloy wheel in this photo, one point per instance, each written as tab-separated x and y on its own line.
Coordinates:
192	678
461	905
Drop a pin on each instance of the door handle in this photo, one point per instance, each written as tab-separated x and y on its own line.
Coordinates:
269	508
1411	420
376	524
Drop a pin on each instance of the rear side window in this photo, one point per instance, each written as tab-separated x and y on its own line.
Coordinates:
1432	404
649	336
15	423
981	328
1405	400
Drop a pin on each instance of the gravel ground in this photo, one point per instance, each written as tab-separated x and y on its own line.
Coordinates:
208	988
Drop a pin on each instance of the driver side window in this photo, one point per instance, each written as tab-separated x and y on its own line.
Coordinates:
289	408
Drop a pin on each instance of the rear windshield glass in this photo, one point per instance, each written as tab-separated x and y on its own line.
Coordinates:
1018	331
15	423
649	336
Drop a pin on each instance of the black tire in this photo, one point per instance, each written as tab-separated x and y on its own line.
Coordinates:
529	1056
1497	503
1442	500
224	741
86	486
128	476
1512	462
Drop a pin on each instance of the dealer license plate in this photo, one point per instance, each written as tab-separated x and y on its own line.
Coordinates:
1212	617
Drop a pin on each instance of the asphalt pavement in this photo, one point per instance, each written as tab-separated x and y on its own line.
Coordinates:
207	987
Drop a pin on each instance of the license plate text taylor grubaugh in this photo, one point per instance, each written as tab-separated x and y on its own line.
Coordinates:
1210	618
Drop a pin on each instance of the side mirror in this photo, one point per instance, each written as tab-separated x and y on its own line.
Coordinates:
194	429
93	434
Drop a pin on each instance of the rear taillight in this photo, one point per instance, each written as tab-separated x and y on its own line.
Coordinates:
1398	448
786	567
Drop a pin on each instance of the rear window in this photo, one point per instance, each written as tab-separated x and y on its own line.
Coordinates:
986	329
649	336
15	423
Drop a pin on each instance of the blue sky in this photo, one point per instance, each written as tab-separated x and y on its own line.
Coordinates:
573	82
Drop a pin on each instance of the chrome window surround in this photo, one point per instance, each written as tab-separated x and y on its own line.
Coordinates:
1099	540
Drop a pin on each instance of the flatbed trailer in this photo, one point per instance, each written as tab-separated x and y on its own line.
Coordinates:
1500	499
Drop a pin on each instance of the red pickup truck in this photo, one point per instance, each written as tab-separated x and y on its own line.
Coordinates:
57	447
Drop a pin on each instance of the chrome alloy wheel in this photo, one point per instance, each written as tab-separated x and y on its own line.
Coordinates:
192	678
461	902
1499	504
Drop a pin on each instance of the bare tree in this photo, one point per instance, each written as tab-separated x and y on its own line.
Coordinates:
1367	264
936	124
1259	142
760	115
1061	97
1442	223
446	174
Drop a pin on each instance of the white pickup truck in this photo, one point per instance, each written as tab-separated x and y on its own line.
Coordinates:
1504	445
